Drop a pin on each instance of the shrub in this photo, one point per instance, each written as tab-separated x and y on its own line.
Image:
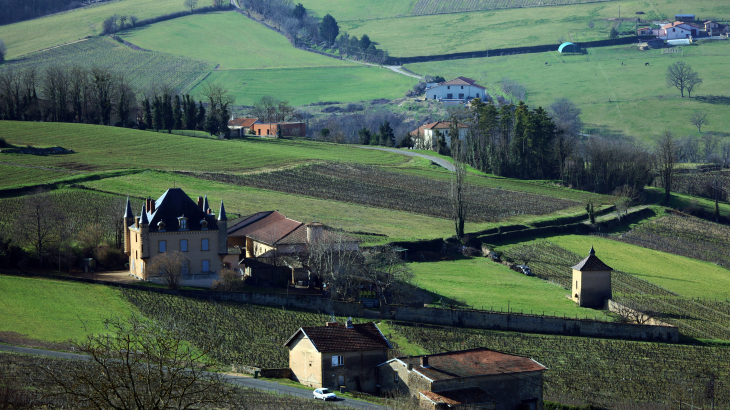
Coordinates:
229	281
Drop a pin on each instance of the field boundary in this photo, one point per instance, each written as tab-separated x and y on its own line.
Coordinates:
475	319
506	51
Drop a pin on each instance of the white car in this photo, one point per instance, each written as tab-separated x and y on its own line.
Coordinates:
324	394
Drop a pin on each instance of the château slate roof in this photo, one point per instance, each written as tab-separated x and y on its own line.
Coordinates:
591	263
471	363
173	204
459	397
336	337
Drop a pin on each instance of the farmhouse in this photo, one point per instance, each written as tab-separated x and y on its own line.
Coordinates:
242	125
288	129
479	378
426	136
678	30
270	243
338	355
174	222
460	89
591	282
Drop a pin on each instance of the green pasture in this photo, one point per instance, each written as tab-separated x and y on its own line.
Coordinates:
685	276
484	30
226	38
33	35
143	69
631	99
12	175
99	147
308	85
362	10
397	225
484	284
57	311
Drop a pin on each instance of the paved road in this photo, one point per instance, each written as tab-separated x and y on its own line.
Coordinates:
439	161
238	380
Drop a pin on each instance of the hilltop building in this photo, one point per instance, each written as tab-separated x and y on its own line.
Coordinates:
458	90
591	282
174	222
477	379
338	355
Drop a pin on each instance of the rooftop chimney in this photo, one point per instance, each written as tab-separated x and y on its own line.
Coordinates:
349	323
147	203
152	206
314	231
424	361
331	323
200	203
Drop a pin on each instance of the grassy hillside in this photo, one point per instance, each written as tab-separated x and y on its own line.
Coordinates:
483	284
685	276
308	85
484	30
632	98
57	311
21	175
101	148
228	39
32	35
143	69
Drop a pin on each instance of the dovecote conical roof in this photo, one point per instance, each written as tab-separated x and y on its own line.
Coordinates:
591	263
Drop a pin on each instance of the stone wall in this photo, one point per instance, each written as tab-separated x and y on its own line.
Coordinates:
530	323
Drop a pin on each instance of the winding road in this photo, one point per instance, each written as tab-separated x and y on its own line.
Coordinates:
244	381
436	160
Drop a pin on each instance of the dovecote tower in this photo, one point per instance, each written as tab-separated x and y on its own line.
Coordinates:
591	282
128	219
222	231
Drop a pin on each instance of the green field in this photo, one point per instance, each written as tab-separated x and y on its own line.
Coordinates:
484	30
104	148
685	276
360	10
143	69
57	311
308	85
228	39
630	99
11	175
33	35
483	284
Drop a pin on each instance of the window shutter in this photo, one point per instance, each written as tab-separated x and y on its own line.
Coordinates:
335	360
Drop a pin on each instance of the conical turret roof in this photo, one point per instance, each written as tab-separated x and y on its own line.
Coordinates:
128	210
591	263
222	213
143	218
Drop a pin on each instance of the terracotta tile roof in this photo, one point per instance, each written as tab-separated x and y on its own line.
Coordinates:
299	236
266	227
242	122
438	125
459	397
591	263
338	338
675	24
462	81
472	363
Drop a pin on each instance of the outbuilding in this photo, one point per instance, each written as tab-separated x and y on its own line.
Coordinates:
568	48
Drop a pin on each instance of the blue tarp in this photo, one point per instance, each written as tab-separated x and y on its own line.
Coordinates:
572	49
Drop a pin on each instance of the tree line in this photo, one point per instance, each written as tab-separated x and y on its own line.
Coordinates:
101	96
19	10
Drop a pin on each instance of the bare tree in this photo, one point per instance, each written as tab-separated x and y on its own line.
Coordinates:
191	4
566	116
139	364
332	258
709	143
389	272
666	153
693	82
39	223
634	314
458	193
698	119
3	50
168	266
725	151
680	75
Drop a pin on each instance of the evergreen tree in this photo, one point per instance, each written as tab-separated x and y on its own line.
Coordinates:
201	116
167	113
329	29
364	135
191	113
406	142
365	42
158	114
299	11
387	137
212	123
177	114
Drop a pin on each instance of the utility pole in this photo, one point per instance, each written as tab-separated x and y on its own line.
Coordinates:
717	206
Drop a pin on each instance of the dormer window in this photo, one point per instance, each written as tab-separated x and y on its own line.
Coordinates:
183	223
203	225
161	226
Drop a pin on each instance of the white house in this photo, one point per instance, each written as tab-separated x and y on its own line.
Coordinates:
460	88
425	136
677	30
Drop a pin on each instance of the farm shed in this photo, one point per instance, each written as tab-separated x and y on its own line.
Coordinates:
568	48
684	17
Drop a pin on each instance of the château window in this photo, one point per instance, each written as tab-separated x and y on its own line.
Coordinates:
162	246
204	245
183	223
206	266
184	245
338	361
